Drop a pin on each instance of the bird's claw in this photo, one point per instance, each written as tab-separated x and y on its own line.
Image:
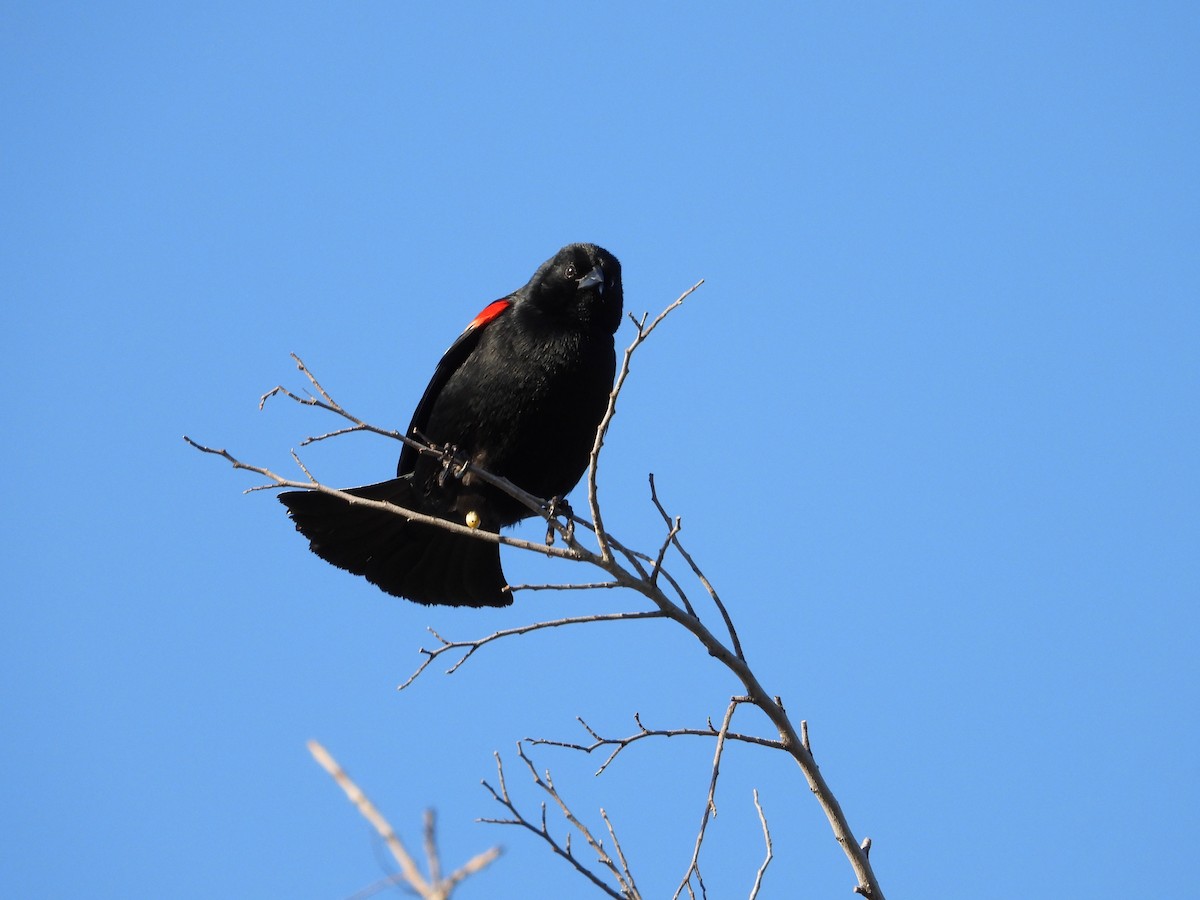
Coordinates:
559	507
453	464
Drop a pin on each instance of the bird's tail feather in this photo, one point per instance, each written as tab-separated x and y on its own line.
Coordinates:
408	559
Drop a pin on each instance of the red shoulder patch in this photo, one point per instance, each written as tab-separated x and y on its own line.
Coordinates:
491	311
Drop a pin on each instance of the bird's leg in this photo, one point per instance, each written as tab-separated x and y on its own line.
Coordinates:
558	506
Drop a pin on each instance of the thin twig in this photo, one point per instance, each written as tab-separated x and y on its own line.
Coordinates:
472	645
762	870
710	806
430	841
612	832
619	744
376	886
476	863
674	539
436	887
674	529
643	332
628	891
278	481
328	404
592	586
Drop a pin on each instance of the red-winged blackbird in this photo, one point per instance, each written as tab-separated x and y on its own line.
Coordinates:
520	394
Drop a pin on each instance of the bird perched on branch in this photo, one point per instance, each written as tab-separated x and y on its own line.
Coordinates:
519	394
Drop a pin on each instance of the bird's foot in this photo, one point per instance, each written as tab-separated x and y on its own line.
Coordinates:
454	464
558	507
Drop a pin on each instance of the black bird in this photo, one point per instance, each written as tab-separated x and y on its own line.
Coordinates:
520	394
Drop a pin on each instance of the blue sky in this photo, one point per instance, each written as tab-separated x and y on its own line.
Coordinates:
931	424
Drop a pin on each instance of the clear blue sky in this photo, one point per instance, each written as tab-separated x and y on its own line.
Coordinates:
932	424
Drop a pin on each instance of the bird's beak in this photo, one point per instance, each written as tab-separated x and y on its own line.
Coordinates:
592	279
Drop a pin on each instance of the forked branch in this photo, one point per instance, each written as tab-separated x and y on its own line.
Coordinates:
618	869
469	647
643	331
435	887
621	743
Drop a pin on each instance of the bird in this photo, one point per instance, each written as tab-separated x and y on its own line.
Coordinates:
519	394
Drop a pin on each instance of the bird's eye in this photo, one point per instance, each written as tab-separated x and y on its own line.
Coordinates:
571	273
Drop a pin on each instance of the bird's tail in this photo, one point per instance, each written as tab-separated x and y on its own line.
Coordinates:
408	559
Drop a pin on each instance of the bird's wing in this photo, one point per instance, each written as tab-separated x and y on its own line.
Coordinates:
451	360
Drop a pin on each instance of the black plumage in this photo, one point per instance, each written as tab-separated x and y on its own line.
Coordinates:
520	394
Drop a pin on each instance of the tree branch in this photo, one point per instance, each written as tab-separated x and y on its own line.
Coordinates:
433	888
619	744
673	538
625	568
472	645
628	890
278	481
643	332
762	870
710	806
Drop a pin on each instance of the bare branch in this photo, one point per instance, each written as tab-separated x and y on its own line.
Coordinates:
430	841
619	744
376	886
643	332
674	529
472	645
278	481
435	888
547	785
673	538
372	815
349	429
330	405
476	863
592	586
300	463
710	806
762	870
628	889
612	832
535	504
625	568
324	393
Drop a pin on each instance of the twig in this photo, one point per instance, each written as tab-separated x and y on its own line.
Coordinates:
612	832
592	586
628	889
472	645
762	870
710	806
436	887
643	332
430	841
278	481
376	886
620	744
328	404
476	863
674	529
673	537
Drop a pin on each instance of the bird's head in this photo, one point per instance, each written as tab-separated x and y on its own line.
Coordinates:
581	282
